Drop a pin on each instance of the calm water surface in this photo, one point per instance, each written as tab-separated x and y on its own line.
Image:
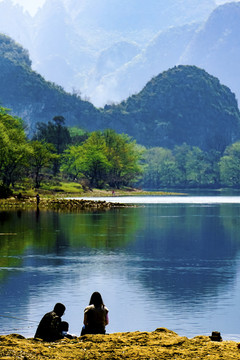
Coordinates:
170	262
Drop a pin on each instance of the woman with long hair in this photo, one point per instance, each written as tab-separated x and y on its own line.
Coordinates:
95	316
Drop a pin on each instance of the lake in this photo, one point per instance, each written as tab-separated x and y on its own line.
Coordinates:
171	261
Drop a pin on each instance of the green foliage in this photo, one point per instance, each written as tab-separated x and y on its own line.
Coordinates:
13	51
55	133
41	160
78	136
184	166
104	158
14	148
230	166
160	168
183	104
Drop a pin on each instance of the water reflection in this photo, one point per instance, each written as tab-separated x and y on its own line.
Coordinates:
175	264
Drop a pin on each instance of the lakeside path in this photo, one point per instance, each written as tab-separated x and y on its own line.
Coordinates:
160	344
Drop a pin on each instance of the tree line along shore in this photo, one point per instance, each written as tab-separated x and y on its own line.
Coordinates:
104	159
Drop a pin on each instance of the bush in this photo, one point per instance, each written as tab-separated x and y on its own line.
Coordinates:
5	192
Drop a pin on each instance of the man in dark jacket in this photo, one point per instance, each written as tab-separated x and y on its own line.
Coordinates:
49	328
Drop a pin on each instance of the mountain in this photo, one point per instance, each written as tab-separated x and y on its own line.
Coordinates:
183	104
162	53
33	98
68	40
215	47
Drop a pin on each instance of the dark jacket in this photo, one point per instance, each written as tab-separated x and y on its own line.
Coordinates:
49	327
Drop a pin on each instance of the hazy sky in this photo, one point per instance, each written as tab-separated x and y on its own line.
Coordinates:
32	5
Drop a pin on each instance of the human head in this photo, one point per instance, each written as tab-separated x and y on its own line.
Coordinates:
96	299
64	326
59	309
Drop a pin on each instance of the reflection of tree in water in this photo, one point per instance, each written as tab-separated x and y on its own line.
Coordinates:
102	230
11	244
231	220
23	230
45	232
190	252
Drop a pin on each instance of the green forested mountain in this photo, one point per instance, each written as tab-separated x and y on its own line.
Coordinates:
183	104
31	97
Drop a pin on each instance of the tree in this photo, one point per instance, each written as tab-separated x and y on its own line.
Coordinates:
124	157
230	166
78	136
14	148
160	168
104	158
56	133
41	159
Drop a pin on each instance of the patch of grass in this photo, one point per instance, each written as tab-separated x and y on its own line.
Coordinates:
64	187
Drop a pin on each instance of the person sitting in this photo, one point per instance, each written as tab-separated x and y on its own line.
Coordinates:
95	316
64	326
49	328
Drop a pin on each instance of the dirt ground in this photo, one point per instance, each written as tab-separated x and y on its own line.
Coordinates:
159	344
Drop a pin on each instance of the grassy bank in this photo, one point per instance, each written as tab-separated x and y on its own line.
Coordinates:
160	344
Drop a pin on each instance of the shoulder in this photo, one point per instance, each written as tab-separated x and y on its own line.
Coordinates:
89	307
106	309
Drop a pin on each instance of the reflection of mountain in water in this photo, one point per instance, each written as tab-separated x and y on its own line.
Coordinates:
190	252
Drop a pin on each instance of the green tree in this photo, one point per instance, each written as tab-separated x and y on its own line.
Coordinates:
230	166
41	159
14	148
104	158
202	168
54	132
180	153
160	169
124	157
88	160
78	136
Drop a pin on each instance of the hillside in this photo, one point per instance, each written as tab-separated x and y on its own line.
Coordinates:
34	99
183	104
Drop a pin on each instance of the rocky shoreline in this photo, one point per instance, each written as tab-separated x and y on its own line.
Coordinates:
57	204
159	344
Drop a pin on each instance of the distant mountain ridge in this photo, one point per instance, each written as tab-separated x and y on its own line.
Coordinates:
183	104
216	47
67	39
